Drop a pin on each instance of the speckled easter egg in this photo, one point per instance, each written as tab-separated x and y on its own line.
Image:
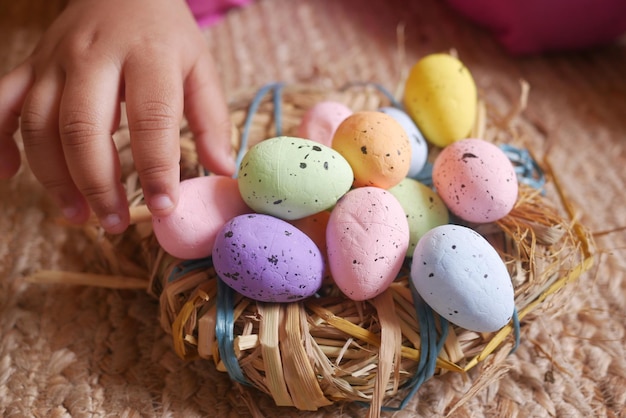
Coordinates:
367	237
376	146
320	122
423	207
204	206
419	146
440	95
476	180
291	178
314	226
462	278
267	259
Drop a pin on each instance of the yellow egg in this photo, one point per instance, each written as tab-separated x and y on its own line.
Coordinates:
440	96
376	146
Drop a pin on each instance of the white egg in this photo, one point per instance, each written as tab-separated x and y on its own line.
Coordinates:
419	146
460	276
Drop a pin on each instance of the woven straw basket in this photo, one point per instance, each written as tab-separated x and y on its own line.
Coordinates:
330	349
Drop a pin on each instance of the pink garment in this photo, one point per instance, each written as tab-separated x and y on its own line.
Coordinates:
530	26
208	12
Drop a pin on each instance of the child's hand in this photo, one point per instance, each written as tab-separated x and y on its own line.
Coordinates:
68	92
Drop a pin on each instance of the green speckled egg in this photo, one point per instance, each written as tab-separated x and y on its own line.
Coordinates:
291	178
423	207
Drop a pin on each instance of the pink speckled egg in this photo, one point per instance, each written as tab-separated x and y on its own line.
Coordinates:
320	122
367	238
476	180
205	205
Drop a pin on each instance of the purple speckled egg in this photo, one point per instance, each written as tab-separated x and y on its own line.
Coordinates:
476	180
267	259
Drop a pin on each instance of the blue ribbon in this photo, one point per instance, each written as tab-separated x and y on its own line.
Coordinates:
516	330
276	89
185	266
224	325
378	87
430	347
526	168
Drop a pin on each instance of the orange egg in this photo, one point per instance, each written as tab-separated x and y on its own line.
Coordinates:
376	146
314	226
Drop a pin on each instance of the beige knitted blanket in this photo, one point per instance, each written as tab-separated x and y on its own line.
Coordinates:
82	351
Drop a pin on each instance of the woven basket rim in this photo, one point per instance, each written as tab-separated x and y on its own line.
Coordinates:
286	361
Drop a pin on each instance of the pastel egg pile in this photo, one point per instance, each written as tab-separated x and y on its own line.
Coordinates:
340	200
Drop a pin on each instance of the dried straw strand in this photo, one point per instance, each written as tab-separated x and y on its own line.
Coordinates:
299	374
389	353
273	365
86	279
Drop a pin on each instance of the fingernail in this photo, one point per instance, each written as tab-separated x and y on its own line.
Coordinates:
160	202
70	212
110	221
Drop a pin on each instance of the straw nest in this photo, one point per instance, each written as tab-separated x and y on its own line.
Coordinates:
330	349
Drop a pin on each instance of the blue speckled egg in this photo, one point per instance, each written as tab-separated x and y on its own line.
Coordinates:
267	259
461	277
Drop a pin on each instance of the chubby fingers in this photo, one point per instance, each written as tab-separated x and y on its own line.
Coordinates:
88	115
154	104
42	145
14	87
208	117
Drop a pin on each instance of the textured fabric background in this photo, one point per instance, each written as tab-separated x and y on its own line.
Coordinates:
75	351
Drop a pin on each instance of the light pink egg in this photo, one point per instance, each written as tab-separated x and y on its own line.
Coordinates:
367	238
320	122
205	205
476	180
